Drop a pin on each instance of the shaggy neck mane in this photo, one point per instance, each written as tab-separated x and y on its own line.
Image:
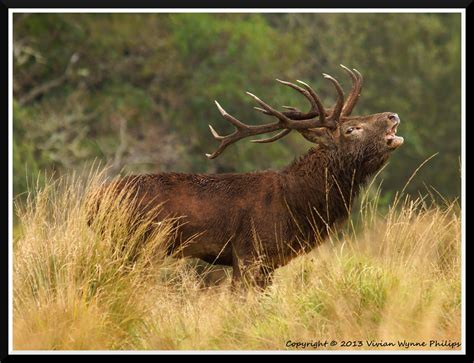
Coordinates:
322	185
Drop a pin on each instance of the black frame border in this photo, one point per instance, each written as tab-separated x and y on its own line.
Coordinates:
6	5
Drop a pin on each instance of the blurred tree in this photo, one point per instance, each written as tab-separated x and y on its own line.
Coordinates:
137	90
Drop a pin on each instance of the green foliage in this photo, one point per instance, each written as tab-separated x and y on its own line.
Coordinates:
27	159
160	73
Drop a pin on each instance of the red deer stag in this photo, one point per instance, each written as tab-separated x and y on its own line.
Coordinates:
257	222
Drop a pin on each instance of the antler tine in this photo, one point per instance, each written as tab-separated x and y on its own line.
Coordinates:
355	91
317	101
224	142
316	105
336	114
285	121
230	118
293	113
268	113
242	131
215	134
278	136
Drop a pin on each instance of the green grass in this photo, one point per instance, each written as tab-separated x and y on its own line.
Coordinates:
384	277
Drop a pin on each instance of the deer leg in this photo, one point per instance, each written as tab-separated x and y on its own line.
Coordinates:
249	272
243	272
264	278
236	283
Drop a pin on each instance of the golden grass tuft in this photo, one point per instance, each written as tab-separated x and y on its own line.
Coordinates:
78	286
383	278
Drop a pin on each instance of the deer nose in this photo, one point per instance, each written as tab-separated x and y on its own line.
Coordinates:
394	117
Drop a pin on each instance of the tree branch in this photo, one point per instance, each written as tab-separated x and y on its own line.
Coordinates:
49	85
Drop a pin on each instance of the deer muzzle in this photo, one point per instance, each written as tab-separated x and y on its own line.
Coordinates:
393	141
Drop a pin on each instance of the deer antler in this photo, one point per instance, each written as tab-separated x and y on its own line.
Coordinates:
284	124
293	119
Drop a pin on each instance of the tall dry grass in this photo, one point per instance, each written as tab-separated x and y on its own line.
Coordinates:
78	286
383	278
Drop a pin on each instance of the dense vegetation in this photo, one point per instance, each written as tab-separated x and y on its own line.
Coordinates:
137	90
384	278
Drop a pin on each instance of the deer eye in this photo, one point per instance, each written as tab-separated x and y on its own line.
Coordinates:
350	129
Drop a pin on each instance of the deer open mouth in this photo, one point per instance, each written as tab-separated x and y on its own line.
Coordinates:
393	141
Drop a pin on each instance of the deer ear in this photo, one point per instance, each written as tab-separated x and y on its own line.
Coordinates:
316	135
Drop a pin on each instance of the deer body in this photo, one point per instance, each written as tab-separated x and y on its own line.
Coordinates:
256	222
261	219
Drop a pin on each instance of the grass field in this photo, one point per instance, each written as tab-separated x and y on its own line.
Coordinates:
386	278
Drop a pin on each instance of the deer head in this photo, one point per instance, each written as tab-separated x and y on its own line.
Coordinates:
333	128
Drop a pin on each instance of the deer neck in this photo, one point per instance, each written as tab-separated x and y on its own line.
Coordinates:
323	183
